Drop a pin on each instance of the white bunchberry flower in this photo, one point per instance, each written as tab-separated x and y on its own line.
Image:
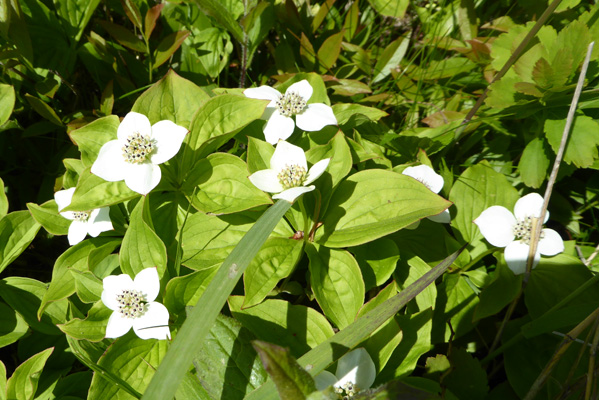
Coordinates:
501	228
282	107
288	174
355	372
138	150
91	222
429	178
133	305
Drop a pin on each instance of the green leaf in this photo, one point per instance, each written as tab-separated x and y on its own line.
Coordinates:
328	53
337	283
173	98
23	382
43	109
417	267
24	295
227	365
78	258
390	8
74	16
3	200
87	285
224	187
167	47
2	376
7	102
373	203
94	192
327	352
467	379
275	261
131	359
259	154
47	216
415	341
193	331
377	260
293	382
456	302
307	52
209	239
206	52
478	188
218	120
381	344
339	166
93	136
191	389
391	57
12	328
534	163
92	328
142	248
581	148
298	327
17	231
219	12
184	291
504	287
344	112
124	36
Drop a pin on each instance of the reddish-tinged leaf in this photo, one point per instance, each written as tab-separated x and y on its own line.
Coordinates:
307	52
321	14
168	46
151	18
124	36
132	12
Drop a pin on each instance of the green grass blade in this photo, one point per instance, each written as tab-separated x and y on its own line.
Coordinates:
189	339
327	352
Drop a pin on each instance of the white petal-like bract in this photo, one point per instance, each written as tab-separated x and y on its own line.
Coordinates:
496	223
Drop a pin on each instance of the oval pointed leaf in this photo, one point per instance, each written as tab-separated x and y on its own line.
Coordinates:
17	231
373	203
47	216
23	382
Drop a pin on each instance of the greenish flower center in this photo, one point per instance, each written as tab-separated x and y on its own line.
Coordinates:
132	303
137	148
81	216
290	104
523	230
347	391
292	176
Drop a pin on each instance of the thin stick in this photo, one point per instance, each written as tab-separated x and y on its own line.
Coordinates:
538	222
591	371
588	260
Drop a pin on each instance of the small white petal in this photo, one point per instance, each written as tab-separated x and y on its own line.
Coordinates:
324	380
142	178
110	164
551	243
291	194
169	137
99	221
496	224
516	254
317	170
287	154
153	324
117	325
357	367
426	175
303	88
443	217
133	123
64	197
147	281
113	285
529	206
278	127
315	117
266	180
263	93
77	232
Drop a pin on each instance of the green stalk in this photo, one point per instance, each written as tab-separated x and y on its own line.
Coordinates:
189	339
333	348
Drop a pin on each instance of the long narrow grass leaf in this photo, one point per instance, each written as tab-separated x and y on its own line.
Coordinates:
190	337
